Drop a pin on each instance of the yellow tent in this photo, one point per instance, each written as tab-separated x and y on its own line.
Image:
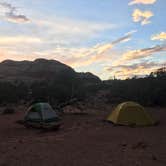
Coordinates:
130	113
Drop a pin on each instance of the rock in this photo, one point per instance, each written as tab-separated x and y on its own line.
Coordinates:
154	157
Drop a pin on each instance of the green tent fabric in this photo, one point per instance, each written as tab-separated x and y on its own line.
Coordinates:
130	113
41	115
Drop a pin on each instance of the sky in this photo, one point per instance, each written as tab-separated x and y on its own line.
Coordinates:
110	38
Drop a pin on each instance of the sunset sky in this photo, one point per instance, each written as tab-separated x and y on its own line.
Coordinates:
109	38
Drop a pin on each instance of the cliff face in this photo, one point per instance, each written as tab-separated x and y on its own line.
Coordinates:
39	70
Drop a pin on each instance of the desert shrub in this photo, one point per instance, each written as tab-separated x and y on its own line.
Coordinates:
9	111
149	91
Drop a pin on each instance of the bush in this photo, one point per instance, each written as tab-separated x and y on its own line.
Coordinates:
8	111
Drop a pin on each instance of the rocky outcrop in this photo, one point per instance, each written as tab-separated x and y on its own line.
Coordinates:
39	70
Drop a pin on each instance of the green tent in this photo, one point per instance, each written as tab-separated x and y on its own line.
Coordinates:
41	115
130	113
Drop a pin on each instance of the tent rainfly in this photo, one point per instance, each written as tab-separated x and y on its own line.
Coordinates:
130	113
41	115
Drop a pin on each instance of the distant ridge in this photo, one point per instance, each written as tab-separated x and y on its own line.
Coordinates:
38	70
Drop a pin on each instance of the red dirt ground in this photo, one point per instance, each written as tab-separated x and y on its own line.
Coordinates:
83	140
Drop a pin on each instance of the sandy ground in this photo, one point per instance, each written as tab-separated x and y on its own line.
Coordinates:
83	140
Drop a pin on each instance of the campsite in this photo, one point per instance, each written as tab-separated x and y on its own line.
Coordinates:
83	139
81	121
82	83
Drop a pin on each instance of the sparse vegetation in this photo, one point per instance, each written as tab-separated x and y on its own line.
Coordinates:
150	90
67	84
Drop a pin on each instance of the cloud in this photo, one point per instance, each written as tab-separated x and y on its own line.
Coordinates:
97	53
11	14
131	32
30	48
105	47
57	40
140	69
142	65
142	53
142	16
101	48
137	55
161	36
2	53
6	40
145	2
123	39
84	56
75	32
16	18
